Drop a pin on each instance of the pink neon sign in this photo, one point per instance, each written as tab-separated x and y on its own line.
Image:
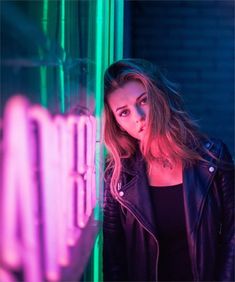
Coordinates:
48	192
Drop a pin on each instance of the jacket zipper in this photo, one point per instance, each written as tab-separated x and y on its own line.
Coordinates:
148	232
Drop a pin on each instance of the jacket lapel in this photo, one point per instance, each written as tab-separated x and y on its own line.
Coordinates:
196	185
136	195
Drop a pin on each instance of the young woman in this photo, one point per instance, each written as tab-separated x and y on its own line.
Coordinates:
169	190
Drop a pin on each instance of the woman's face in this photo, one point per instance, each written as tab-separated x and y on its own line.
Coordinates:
130	107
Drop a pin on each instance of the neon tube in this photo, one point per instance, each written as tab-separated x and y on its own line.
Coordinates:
82	218
73	234
111	31
62	43
47	153
43	70
43	200
62	178
18	193
119	20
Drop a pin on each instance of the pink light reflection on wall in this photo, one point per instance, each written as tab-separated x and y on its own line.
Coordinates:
63	154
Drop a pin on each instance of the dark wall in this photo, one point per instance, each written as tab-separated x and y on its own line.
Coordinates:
193	42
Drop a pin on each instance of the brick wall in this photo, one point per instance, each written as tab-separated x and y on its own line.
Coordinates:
193	42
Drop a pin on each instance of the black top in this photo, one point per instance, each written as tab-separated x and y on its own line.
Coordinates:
168	207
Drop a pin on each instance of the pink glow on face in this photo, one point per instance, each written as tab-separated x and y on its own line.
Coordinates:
130	107
66	162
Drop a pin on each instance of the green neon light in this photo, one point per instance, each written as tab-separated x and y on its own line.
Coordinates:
111	32
62	43
98	86
119	29
99	103
43	70
91	54
97	258
98	59
62	23
106	35
109	46
45	15
61	83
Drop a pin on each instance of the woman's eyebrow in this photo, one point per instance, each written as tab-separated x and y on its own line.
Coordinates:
141	95
119	108
137	99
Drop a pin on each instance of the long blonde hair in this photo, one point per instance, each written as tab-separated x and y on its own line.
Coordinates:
168	125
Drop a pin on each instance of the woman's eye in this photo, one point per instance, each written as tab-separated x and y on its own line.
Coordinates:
144	101
124	113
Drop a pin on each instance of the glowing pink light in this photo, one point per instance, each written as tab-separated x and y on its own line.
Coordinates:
90	159
84	127
61	182
49	193
18	193
66	165
82	152
81	216
6	276
73	233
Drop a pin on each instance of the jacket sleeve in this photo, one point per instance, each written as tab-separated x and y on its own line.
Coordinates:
114	266
226	184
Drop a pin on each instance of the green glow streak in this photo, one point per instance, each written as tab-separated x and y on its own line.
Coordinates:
62	43
119	28
61	82
106	35
111	32
43	70
108	46
45	16
91	54
99	103
97	257
62	23
98	88
98	59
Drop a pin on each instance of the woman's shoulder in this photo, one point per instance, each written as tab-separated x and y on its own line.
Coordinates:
128	165
216	151
108	167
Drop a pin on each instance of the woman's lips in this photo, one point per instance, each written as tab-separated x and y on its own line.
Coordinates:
142	128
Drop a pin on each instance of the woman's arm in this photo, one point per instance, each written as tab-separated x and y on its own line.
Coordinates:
114	257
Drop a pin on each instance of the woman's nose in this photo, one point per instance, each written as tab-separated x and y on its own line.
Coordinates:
139	114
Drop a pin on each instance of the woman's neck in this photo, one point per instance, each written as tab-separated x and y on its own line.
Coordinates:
164	174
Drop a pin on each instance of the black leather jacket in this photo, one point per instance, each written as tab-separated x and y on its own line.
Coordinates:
130	237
